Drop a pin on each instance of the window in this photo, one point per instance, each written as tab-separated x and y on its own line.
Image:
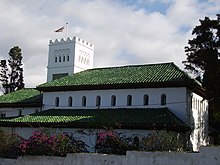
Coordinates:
146	100
64	58
59	58
84	101
129	100
98	101
68	58
113	100
59	75
163	99
70	101
55	59
3	115
57	102
19	112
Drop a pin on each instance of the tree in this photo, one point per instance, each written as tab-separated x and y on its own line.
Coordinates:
3	74
12	78
203	55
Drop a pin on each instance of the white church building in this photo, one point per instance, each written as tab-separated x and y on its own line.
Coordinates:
82	100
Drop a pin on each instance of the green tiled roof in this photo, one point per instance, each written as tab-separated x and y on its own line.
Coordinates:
135	118
23	96
164	74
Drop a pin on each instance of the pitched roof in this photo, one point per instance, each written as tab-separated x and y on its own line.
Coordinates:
152	75
23	97
134	118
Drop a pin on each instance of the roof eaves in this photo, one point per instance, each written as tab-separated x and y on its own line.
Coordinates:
95	122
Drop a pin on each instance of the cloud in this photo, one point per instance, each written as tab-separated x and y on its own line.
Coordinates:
123	33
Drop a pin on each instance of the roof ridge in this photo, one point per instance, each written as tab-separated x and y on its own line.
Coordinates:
131	65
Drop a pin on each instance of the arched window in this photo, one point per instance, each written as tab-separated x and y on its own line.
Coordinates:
68	58
98	101
57	102
64	58
146	100
163	99
113	100
84	101
55	59
129	100
70	101
59	58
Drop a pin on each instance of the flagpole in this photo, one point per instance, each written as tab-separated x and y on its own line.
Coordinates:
66	29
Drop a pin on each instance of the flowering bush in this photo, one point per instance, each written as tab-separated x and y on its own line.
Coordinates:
109	142
41	143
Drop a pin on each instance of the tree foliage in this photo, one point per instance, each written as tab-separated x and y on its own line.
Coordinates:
12	73
203	54
3	75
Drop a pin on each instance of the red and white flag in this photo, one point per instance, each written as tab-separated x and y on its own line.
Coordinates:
59	30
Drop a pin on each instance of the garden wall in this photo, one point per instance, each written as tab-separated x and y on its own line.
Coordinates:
207	155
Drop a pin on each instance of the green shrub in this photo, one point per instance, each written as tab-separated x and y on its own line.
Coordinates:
163	141
9	145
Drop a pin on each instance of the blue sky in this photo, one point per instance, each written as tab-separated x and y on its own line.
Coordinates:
147	5
123	31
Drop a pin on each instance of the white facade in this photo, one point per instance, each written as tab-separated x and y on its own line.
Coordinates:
18	111
185	104
199	121
69	56
175	99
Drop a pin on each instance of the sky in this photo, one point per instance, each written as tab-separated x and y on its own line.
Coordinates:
124	32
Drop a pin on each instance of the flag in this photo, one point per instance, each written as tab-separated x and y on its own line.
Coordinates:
59	30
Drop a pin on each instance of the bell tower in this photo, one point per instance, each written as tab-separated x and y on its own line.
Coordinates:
69	56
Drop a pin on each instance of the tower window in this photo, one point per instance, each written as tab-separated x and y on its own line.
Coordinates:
87	62
57	102
70	101
98	101
163	99
84	101
146	100
113	100
129	100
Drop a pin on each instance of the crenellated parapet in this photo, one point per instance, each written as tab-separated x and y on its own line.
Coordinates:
71	40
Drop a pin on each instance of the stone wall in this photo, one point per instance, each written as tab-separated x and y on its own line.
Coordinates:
207	155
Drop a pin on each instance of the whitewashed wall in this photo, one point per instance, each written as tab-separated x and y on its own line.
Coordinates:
207	155
176	99
12	112
199	122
